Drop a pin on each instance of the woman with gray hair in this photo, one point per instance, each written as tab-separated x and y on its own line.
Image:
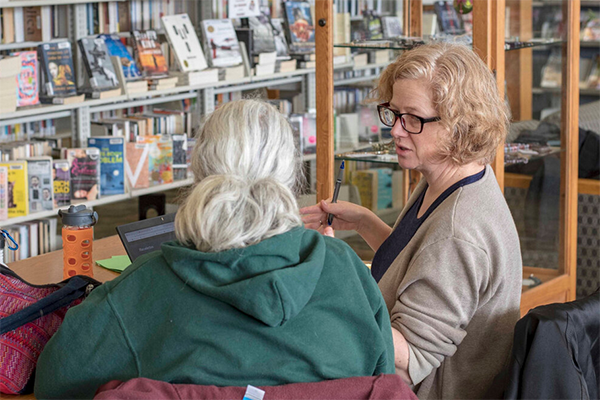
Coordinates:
450	269
246	296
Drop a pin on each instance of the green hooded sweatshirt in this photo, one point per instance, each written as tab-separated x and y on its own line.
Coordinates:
297	307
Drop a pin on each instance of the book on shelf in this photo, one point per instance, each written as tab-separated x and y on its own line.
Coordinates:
286	66
85	173
98	64
191	143
19	25
18	188
448	19
160	161
128	86
3	193
372	23
221	43
116	48
430	24
162	83
281	45
39	173
137	169
179	157
27	80
181	34
234	73
32	19
10	68
101	94
209	75
112	174
61	173
262	31
264	69
341	34
300	27
8	25
593	79
391	27
552	71
375	188
57	62
149	54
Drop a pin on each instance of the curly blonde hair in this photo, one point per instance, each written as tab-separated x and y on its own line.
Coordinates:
464	94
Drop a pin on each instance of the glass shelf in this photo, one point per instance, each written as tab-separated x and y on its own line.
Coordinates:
407	43
379	157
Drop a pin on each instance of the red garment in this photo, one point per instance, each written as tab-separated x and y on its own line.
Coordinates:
382	387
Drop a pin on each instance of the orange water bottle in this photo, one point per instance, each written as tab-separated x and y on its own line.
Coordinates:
78	237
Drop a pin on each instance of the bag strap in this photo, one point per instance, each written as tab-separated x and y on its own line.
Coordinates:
75	288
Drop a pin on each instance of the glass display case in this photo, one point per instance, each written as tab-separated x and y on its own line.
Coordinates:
533	49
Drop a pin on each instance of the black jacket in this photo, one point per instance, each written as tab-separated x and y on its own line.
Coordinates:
556	353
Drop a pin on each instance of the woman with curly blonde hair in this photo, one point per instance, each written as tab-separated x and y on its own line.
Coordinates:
450	268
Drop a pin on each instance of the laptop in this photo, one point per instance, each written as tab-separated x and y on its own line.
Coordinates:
146	236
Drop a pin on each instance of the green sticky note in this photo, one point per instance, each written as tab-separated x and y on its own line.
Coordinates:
115	263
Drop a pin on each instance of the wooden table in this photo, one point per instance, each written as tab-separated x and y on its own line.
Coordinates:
48	268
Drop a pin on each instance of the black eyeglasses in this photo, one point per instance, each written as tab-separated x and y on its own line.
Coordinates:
411	123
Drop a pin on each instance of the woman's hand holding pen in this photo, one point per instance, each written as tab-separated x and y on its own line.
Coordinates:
348	216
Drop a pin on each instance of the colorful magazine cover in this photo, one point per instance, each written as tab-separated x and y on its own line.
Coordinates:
61	173
222	43
27	80
17	193
149	54
98	64
160	163
39	172
85	173
58	68
117	48
112	176
301	29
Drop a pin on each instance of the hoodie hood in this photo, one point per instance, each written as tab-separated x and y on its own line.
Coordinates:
271	281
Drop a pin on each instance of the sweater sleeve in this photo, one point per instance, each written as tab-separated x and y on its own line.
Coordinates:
440	293
89	349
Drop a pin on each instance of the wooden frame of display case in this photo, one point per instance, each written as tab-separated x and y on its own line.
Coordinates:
488	41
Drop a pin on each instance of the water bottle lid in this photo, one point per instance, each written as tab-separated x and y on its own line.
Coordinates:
78	216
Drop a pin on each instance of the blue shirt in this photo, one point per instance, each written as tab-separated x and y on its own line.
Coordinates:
406	229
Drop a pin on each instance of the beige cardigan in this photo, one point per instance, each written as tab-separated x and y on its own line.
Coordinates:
454	291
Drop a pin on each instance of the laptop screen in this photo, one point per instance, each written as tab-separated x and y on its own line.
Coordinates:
147	235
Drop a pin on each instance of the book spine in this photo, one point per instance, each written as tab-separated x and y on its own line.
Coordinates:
19	25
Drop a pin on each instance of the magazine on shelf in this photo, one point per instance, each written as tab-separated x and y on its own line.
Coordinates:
301	30
18	188
58	69
221	42
116	48
264	41
112	175
184	41
552	71
85	173
391	27
98	64
39	172
61	173
27	94
448	19
149	54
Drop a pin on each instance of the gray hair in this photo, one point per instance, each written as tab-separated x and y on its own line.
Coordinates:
246	171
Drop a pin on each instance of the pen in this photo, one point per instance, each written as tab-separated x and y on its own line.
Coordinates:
336	190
